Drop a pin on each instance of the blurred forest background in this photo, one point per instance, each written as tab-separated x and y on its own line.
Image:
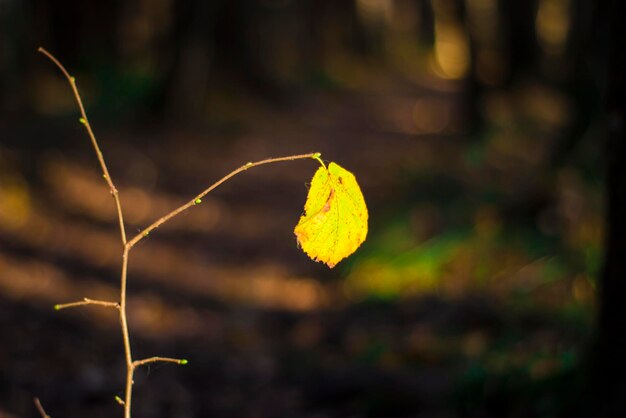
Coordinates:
477	129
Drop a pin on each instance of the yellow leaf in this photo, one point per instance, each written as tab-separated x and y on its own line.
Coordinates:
334	223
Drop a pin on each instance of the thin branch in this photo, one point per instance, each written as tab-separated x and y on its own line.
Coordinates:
87	301
145	361
42	411
130	369
85	121
114	192
198	199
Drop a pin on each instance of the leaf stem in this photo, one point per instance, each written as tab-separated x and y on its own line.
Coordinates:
317	156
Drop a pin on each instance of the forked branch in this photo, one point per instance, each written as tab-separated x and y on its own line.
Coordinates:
131	364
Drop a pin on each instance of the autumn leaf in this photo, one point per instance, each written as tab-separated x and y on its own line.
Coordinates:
334	223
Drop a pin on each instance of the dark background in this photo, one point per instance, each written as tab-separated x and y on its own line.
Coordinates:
487	137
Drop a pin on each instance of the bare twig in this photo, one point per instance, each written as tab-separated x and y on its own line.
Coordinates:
198	199
42	411
145	361
85	121
87	301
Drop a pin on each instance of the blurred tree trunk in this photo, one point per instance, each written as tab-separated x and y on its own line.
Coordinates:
511	41
581	77
606	386
187	59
